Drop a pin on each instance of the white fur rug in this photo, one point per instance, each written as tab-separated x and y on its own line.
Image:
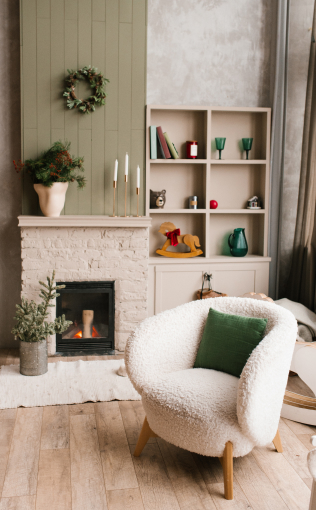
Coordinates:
71	382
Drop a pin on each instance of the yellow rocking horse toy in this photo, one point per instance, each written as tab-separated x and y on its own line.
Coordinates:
174	238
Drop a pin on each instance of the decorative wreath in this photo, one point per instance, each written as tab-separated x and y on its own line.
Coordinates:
97	82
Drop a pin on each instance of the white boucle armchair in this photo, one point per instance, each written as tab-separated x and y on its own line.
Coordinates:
205	411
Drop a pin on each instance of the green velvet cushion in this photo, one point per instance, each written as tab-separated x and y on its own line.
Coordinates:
228	340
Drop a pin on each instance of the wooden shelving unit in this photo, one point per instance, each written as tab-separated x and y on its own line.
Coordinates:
230	181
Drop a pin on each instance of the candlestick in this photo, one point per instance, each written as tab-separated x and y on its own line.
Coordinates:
114	186
125	178
115	170
138	177
126	164
137	193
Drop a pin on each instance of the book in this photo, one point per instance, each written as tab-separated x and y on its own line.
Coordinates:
153	142
161	154
172	149
163	143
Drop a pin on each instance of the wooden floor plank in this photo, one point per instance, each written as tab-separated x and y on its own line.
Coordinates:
7	422
257	487
54	473
77	409
18	503
88	491
293	450
299	428
55	427
133	416
306	440
21	474
126	499
210	468
239	502
155	486
283	477
118	468
188	484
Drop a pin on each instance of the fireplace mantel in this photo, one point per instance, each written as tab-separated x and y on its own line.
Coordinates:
85	221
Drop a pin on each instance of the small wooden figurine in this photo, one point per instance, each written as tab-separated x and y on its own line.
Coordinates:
174	237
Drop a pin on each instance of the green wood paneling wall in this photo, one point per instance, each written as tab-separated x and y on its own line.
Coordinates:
57	35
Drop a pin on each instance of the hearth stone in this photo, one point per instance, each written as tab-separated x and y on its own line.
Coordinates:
91	254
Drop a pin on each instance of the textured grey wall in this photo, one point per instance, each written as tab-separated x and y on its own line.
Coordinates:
10	143
301	20
209	52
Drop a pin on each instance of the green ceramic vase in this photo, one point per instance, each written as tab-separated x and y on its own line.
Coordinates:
238	243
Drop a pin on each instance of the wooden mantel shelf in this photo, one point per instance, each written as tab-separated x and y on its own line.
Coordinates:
84	221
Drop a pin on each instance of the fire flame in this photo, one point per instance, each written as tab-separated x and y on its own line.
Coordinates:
95	334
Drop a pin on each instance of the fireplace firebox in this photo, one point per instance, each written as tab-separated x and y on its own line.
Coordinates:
90	306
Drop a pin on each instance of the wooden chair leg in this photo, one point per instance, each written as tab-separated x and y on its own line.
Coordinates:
227	463
144	435
277	442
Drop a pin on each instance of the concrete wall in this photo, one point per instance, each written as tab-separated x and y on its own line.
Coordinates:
301	20
213	52
10	186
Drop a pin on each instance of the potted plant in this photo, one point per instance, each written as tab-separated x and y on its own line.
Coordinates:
32	329
51	174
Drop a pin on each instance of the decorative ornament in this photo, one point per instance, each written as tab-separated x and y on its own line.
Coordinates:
174	238
213	204
96	81
157	199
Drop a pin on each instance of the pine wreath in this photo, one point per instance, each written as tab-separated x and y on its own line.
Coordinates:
96	81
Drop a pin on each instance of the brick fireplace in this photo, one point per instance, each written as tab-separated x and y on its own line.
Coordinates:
90	248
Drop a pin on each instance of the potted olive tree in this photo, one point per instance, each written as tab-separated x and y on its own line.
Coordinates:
51	174
32	329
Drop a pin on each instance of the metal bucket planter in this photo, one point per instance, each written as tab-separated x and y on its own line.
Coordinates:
33	358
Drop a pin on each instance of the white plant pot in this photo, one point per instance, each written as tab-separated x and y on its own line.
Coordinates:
51	200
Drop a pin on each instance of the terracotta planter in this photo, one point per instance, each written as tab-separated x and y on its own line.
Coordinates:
33	358
51	200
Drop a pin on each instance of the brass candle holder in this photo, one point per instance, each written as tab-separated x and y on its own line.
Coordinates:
114	186
137	193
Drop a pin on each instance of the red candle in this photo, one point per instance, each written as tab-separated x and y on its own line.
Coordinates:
192	149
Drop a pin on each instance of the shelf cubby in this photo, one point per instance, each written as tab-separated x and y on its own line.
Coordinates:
180	182
232	185
223	225
187	223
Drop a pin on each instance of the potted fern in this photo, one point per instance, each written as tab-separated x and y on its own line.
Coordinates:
51	174
32	329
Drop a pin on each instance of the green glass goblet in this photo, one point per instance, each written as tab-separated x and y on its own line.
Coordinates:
220	144
247	144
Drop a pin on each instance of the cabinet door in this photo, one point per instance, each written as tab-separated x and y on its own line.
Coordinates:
172	285
175	286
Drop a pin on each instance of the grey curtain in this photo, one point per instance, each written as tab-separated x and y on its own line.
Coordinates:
278	140
301	284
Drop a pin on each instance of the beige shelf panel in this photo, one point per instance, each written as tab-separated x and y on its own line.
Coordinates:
223	259
179	161
177	211
238	161
237	211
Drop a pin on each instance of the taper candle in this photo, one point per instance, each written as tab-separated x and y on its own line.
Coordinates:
126	164
138	177
115	170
